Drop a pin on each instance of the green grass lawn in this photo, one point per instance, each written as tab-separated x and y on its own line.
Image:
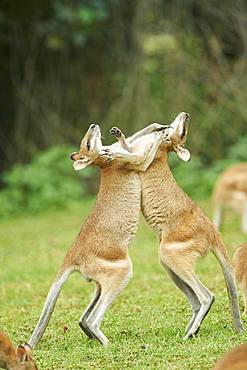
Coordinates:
145	324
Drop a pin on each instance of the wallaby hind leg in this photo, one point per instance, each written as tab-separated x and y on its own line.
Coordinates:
189	293
112	283
224	261
206	299
48	307
243	288
182	264
88	310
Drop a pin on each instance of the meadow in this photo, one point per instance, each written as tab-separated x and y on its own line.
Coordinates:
145	324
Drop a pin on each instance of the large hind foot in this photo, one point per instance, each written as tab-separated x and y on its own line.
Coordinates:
191	322
205	307
239	328
93	332
83	325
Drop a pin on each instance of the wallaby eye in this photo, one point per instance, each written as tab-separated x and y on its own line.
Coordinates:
88	145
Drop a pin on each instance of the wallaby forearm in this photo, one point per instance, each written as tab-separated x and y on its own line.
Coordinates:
145	131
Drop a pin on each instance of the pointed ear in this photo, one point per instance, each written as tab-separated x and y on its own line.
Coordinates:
81	163
21	353
182	153
75	156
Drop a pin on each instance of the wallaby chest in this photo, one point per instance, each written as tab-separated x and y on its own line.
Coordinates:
162	201
115	216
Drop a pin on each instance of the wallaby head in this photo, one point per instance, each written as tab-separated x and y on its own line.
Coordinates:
91	150
176	138
12	358
24	359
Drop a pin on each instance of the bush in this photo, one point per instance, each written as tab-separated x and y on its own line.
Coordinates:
48	181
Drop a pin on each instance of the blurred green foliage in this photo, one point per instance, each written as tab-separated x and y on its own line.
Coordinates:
71	25
65	64
48	181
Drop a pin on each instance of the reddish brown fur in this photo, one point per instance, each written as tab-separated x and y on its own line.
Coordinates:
185	232
14	358
235	359
179	219
96	238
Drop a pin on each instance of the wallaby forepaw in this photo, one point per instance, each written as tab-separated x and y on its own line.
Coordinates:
106	155
115	131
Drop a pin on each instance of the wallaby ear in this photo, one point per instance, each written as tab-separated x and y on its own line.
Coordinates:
21	353
75	156
182	153
81	163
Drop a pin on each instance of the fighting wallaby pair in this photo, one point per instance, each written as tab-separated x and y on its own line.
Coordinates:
12	358
100	250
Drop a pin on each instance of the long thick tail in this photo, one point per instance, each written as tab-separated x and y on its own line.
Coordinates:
48	307
225	263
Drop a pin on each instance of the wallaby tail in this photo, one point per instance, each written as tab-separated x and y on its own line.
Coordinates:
225	263
49	306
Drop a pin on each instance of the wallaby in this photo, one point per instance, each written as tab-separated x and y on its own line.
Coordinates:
231	191
240	270
236	359
184	231
12	358
100	250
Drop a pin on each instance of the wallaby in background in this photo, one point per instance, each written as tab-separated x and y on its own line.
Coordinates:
236	359
12	358
240	270
184	231
100	250
231	191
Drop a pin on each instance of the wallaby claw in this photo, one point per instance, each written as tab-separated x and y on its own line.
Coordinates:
106	155
162	127
115	131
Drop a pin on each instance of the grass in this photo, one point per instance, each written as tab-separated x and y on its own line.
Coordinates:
146	323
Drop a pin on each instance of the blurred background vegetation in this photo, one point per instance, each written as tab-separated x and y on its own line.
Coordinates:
65	64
